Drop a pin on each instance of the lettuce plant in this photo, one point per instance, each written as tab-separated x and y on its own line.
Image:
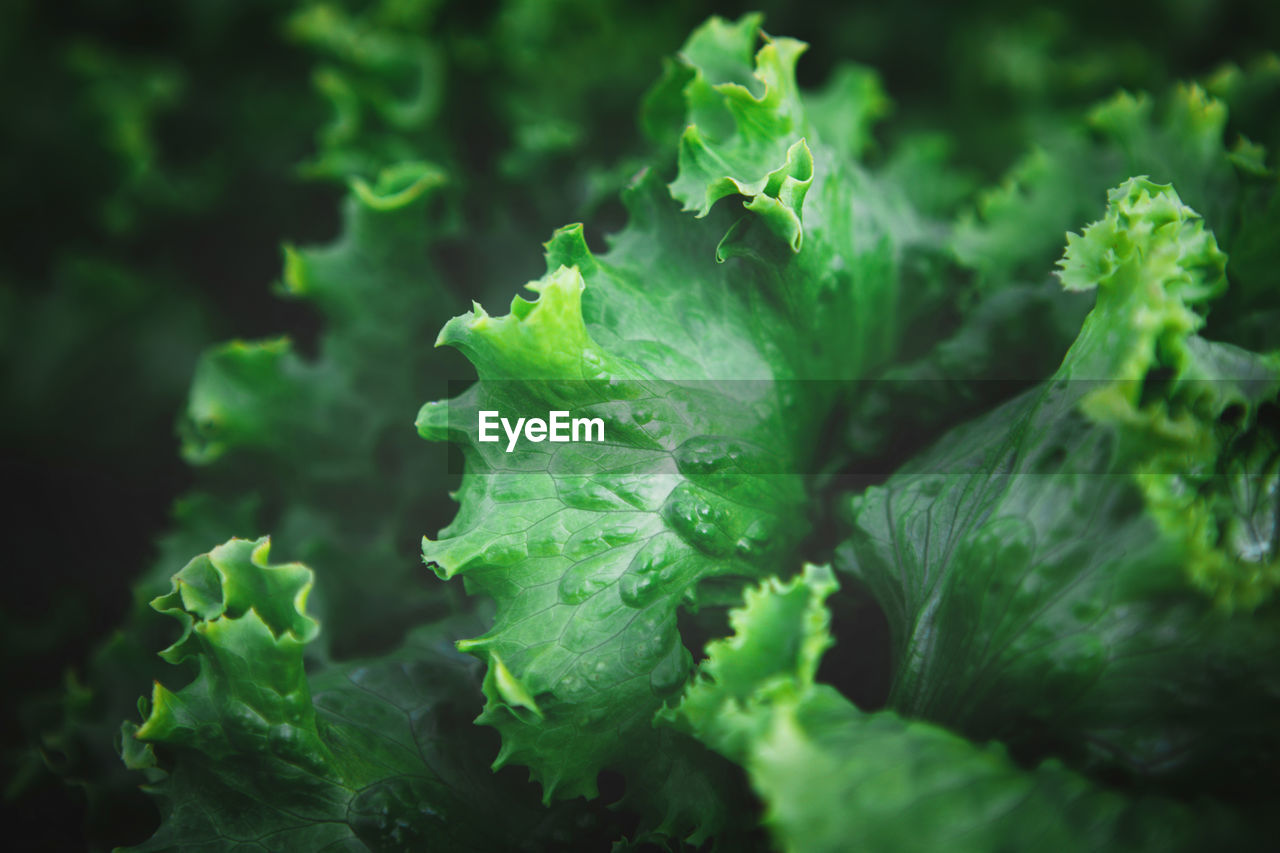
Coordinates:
830	378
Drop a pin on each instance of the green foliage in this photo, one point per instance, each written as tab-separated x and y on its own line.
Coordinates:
690	344
832	775
813	335
368	755
1084	569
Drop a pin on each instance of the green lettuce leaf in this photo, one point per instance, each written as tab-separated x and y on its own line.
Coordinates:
1090	569
590	549
689	338
384	79
835	778
723	347
257	753
1183	137
1010	327
313	447
320	438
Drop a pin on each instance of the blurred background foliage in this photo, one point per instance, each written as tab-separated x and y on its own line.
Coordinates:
155	157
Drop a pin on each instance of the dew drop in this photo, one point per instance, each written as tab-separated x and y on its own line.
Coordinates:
649	573
543	545
582	581
593	365
572	687
670	673
931	488
696	521
582	492
620	534
757	531
505	553
397	814
585	544
638	589
241	721
702	455
598	674
296	706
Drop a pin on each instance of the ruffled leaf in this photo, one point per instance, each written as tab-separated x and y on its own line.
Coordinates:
687	339
834	778
365	756
1059	573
